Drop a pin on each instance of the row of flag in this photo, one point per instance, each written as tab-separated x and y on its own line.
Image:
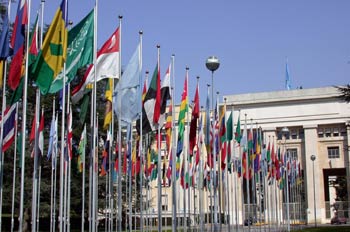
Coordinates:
75	49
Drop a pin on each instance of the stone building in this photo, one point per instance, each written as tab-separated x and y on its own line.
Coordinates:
303	122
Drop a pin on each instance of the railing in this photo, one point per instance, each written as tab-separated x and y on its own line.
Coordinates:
339	207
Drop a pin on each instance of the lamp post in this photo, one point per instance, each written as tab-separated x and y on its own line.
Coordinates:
212	63
285	132
313	158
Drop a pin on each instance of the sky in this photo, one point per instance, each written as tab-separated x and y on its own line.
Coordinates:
253	40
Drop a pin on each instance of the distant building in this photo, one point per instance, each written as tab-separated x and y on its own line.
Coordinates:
302	122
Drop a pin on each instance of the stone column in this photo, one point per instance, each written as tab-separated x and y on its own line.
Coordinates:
311	149
347	162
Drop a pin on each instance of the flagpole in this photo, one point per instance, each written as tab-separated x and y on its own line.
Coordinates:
129	173
14	173
42	3
52	170
173	157
159	161
62	161
200	186
1	138
24	122
226	171
219	183
119	218
187	160
55	172
141	137
83	183
2	124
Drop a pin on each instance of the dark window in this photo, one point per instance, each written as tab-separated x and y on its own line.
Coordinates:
292	153
333	152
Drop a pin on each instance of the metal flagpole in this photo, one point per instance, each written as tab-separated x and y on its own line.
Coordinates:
14	173
141	136
38	194
69	163
83	183
2	124
24	122
200	182
1	138
52	169
159	200
228	143
119	217
188	159
35	170
129	141
36	152
173	157
55	150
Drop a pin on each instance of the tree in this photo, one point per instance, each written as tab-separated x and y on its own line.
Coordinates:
344	93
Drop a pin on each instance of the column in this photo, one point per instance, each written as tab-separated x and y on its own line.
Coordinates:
310	144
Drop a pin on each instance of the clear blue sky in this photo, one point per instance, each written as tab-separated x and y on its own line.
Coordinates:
251	38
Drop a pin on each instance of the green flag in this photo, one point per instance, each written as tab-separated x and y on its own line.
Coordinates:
79	51
238	134
229	132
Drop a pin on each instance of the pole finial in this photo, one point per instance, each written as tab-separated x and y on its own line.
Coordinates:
120	16
141	32
158	46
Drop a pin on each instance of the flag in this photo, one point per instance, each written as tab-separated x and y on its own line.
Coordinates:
17	45
238	135
53	132
84	108
223	139
70	132
41	133
287	83
4	35
208	131
105	156
229	123
9	124
149	105
32	132
33	43
107	65
144	91
81	150
168	128
181	119
79	51
53	52
127	98
2	64
165	95
108	97
194	119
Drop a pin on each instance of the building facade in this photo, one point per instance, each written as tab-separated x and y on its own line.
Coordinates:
302	122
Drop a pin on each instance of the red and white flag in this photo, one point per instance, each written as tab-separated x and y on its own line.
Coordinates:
9	121
107	66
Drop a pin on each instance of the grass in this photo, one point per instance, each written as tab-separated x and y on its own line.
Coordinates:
336	228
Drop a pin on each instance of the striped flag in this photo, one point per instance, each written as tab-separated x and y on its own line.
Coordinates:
17	44
53	52
9	126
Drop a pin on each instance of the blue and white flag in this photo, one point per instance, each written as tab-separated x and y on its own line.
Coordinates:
127	96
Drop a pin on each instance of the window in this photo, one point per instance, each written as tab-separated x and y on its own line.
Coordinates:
333	152
328	132
320	132
336	131
342	131
294	134
293	153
